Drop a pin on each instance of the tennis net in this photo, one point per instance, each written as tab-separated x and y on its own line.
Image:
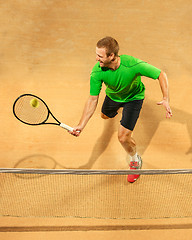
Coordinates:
104	194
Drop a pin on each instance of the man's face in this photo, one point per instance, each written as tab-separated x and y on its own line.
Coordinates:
102	58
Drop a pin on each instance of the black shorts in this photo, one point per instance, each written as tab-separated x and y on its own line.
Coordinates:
131	111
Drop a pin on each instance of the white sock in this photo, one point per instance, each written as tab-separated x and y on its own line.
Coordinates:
134	158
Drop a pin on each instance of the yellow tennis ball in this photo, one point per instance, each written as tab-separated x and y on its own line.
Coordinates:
34	103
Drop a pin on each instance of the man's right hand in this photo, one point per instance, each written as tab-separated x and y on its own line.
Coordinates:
76	131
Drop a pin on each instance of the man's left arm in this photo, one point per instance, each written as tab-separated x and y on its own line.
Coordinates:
163	81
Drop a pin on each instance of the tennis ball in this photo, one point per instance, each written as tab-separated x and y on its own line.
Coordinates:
34	103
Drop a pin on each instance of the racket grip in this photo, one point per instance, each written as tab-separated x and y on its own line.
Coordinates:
66	127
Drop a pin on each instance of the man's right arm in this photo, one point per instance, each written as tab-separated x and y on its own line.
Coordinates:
88	111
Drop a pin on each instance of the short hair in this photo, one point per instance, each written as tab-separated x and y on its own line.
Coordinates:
110	44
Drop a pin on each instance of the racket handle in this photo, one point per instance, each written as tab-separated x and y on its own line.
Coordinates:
66	127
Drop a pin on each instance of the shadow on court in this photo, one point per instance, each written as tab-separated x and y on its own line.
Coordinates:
150	118
36	161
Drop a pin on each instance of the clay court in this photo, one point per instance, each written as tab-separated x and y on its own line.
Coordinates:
47	48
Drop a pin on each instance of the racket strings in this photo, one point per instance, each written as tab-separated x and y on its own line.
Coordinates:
28	113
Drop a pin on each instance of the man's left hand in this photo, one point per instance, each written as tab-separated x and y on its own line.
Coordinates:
165	103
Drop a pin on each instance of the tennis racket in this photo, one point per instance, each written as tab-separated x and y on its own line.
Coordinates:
32	110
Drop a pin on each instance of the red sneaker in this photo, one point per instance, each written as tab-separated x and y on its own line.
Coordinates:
134	166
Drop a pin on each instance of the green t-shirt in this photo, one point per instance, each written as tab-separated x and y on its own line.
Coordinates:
123	84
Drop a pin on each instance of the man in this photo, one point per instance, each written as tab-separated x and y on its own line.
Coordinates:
122	77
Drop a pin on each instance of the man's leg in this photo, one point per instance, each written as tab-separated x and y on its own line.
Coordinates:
128	143
130	115
126	140
104	116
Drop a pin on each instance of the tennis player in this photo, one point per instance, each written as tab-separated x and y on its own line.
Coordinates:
124	89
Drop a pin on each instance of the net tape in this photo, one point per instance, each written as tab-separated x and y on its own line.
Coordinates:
95	172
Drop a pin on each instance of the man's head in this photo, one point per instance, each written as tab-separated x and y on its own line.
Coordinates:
107	51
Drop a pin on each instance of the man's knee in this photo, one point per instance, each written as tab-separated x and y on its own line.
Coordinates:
104	116
124	135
